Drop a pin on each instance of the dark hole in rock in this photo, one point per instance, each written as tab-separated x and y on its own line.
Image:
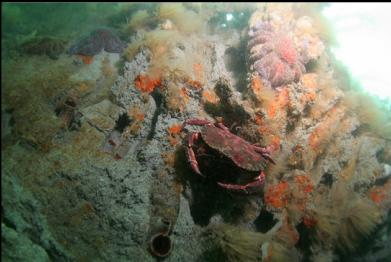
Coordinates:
75	123
380	155
161	245
8	117
360	130
265	221
57	111
70	102
206	197
6	221
327	180
9	110
158	97
304	243
181	46
67	111
382	180
235	62
311	66
122	122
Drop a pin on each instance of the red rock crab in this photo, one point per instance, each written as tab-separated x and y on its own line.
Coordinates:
243	154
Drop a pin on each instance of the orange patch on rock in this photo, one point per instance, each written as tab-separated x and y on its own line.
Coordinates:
278	104
309	222
325	129
87	60
194	84
256	84
259	120
304	184
310	81
136	113
379	194
314	139
276	142
272	110
146	84
159	50
262	127
175	129
277	195
257	87
82	88
139	117
198	72
184	94
309	96
174	134
210	97
263	130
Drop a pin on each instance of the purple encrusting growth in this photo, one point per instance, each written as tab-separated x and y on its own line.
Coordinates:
96	41
113	141
115	145
273	55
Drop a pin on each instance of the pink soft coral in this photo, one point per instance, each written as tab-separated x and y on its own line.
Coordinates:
286	50
274	56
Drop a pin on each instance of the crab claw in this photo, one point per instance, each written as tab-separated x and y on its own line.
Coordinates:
193	162
248	188
268	157
191	158
265	152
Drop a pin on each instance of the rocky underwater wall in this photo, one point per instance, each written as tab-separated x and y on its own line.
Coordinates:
97	164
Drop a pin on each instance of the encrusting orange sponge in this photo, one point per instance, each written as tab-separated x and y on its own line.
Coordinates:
146	84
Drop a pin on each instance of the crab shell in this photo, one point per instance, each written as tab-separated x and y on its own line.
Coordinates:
241	152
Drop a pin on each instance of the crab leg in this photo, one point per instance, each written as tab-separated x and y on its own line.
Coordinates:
196	122
222	126
190	153
248	188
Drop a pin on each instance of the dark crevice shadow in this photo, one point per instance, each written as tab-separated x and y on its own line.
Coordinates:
235	62
207	198
265	221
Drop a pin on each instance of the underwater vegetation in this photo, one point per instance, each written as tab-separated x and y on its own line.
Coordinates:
238	244
190	132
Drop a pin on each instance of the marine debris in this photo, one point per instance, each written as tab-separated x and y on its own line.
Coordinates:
164	211
160	244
